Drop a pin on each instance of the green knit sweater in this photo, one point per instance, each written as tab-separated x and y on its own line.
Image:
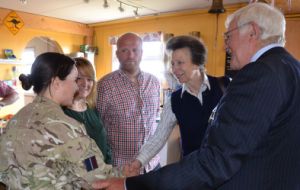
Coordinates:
94	127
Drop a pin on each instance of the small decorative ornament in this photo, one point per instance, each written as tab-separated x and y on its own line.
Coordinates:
13	22
9	54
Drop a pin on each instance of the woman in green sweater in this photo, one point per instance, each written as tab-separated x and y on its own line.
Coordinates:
83	108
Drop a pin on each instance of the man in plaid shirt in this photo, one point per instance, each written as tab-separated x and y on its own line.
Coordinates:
128	103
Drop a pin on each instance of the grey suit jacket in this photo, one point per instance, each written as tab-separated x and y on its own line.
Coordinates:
253	142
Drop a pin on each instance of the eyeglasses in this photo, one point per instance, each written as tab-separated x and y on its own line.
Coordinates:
227	34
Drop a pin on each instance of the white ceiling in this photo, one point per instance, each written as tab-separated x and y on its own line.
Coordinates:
92	11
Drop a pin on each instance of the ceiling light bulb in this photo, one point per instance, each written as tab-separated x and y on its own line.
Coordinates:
23	2
136	14
105	4
121	9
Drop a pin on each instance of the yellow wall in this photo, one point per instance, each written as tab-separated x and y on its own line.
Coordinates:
18	42
292	34
69	35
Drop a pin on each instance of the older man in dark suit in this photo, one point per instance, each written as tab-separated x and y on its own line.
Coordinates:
254	138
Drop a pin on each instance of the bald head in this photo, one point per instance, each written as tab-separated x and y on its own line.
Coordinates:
129	53
128	37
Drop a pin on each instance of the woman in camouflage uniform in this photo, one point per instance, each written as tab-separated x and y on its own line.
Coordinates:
42	147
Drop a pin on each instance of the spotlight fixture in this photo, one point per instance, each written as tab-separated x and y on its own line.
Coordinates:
135	7
136	14
23	2
121	9
86	1
105	4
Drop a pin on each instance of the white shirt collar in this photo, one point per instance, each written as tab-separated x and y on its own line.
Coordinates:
205	85
263	50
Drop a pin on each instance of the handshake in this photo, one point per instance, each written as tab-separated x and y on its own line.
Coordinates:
132	169
129	170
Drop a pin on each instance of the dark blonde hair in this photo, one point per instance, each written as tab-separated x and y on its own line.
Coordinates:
85	66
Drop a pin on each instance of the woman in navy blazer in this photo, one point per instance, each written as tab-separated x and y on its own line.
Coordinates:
253	142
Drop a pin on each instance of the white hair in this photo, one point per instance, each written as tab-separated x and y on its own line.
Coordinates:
270	20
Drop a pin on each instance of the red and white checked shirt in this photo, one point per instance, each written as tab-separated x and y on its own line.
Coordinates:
129	113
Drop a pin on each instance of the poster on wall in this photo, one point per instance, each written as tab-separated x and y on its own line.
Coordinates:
13	22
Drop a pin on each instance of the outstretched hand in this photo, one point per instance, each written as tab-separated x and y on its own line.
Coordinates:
130	170
135	167
110	184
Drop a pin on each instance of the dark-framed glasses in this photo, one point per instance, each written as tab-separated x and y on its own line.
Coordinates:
227	35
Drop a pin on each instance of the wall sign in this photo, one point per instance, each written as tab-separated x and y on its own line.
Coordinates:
13	22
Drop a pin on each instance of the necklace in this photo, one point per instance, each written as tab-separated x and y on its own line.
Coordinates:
79	105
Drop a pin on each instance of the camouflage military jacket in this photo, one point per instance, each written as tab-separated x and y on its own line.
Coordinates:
45	149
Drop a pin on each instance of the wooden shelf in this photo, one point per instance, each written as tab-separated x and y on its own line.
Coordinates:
12	62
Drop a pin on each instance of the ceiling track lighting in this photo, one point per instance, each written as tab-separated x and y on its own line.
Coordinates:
23	1
135	7
135	12
121	9
105	4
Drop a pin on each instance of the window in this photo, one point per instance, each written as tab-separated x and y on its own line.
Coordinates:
28	57
152	60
